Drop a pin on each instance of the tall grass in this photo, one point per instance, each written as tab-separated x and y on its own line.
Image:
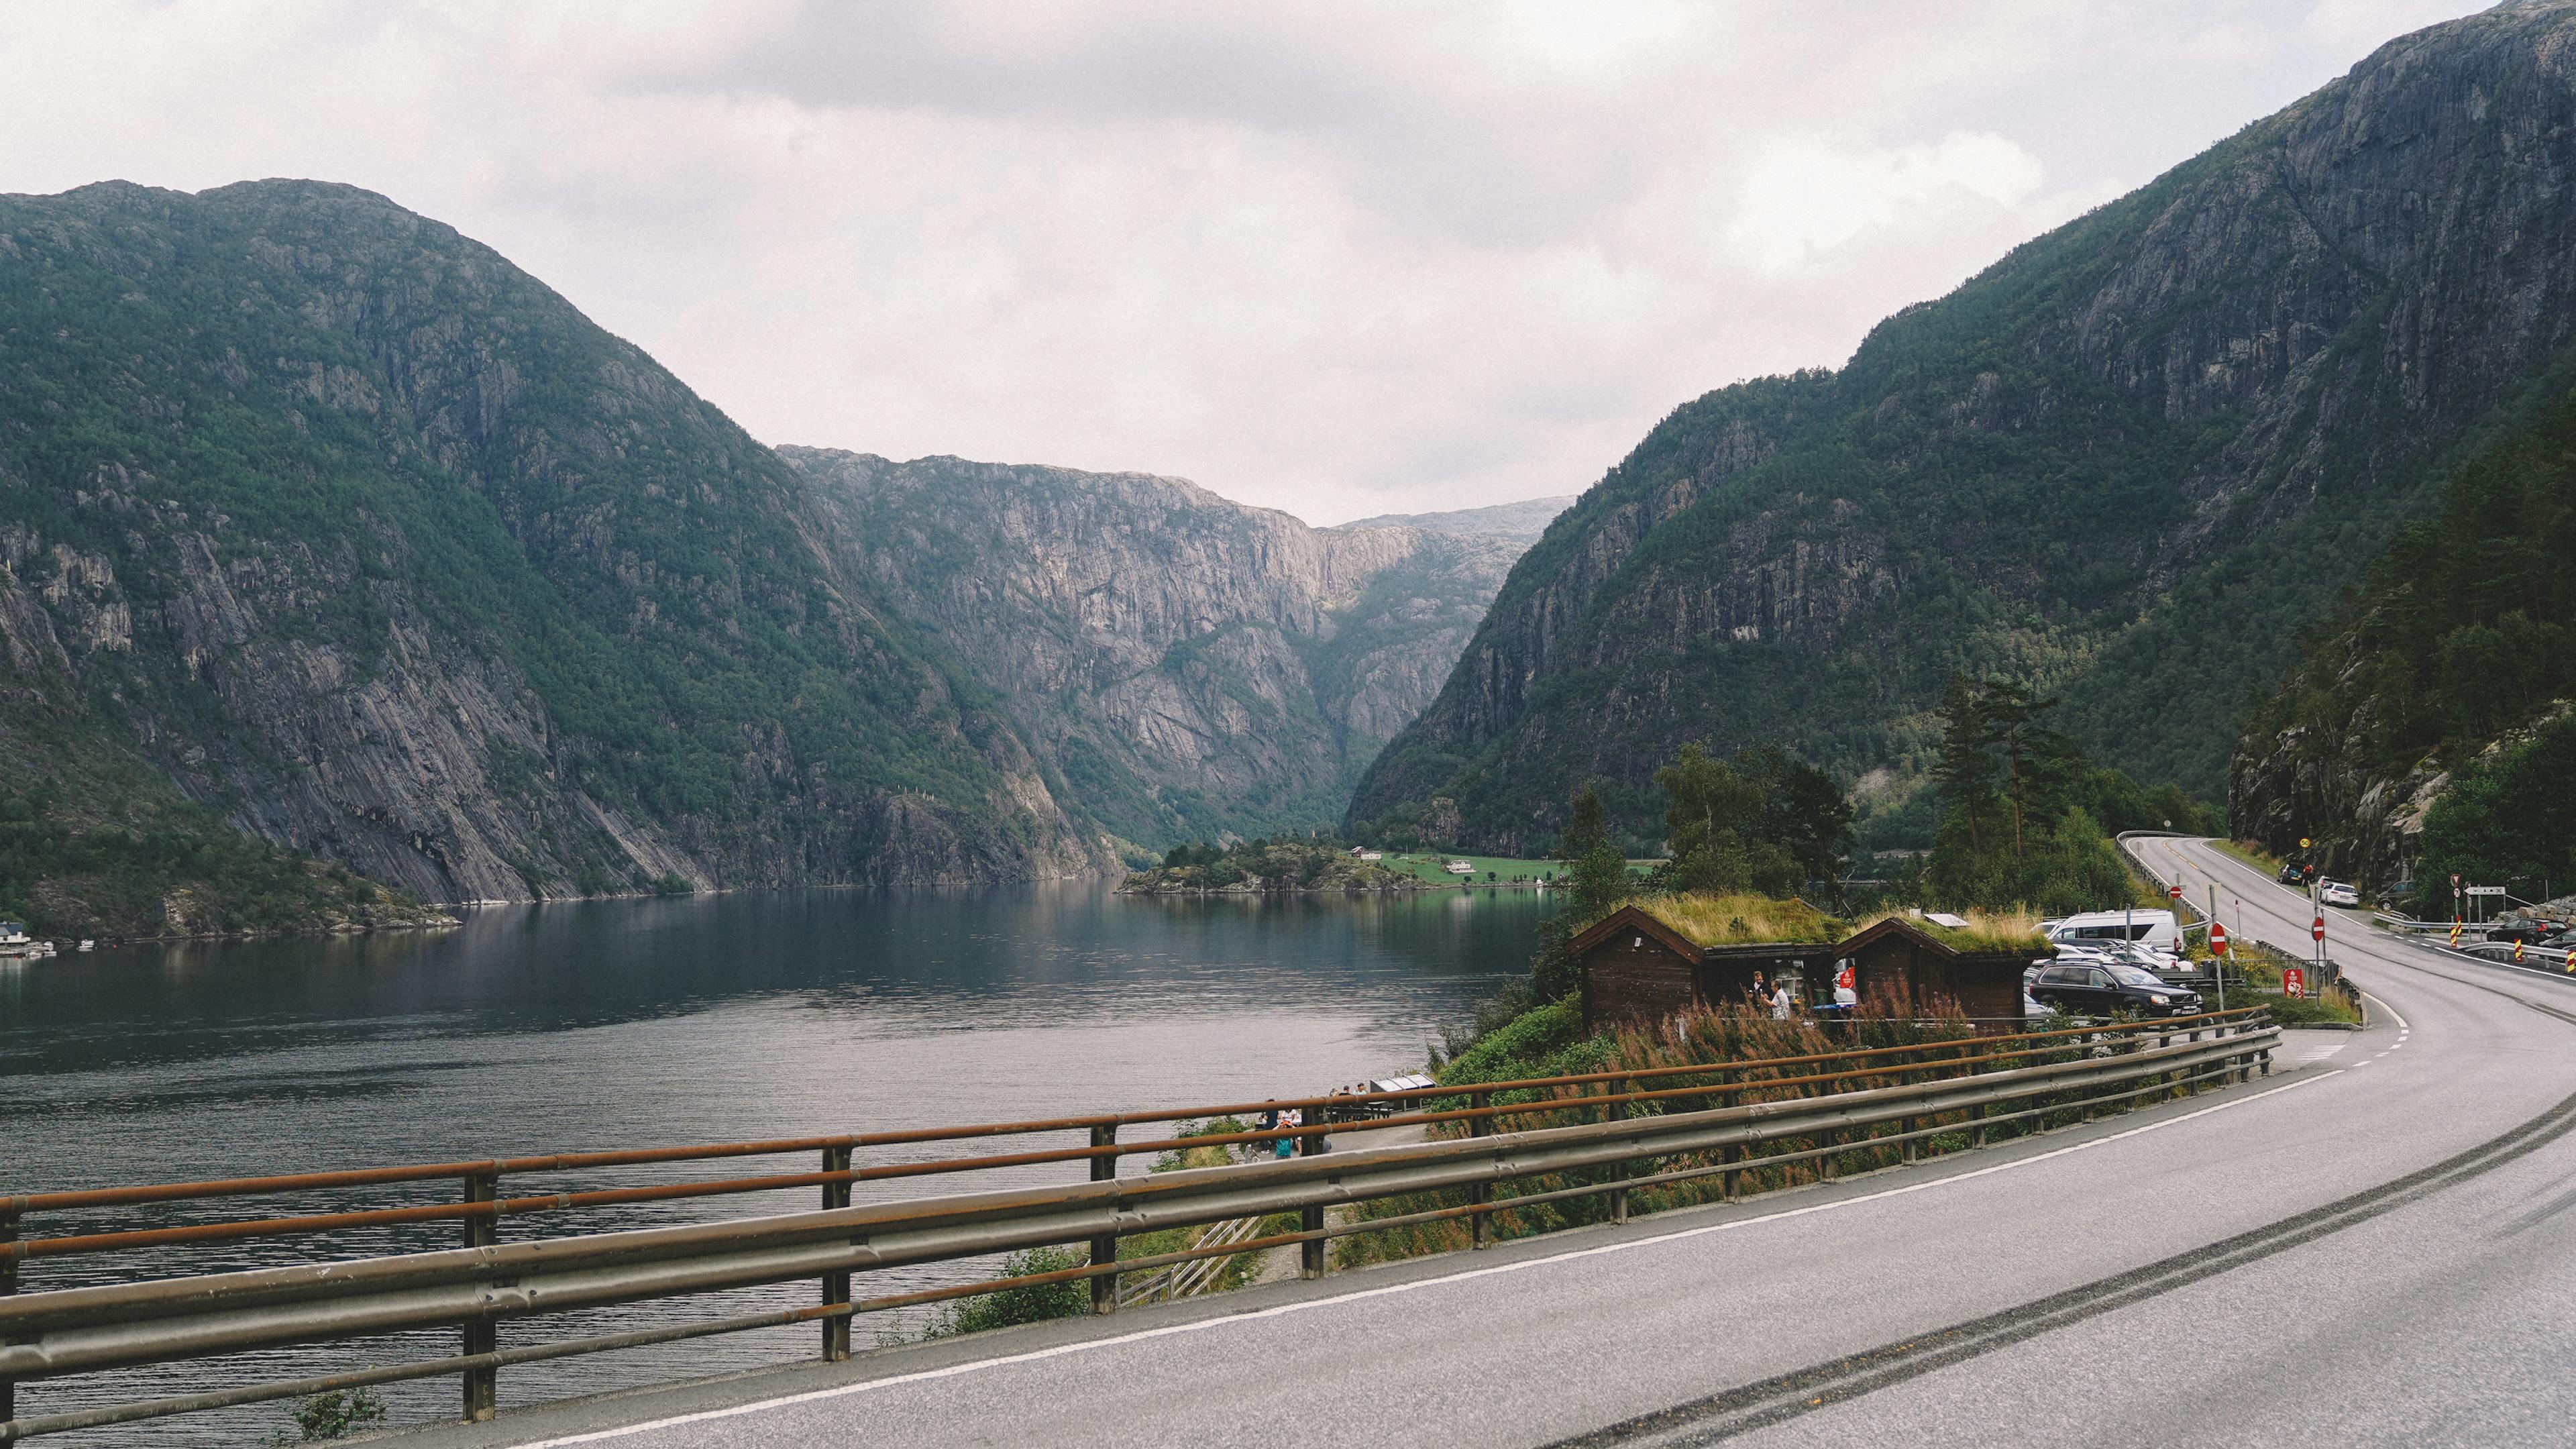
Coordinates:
2016	929
1737	920
1733	1042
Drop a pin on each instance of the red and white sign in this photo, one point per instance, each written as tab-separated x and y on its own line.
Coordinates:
2217	939
2317	932
2294	982
2173	892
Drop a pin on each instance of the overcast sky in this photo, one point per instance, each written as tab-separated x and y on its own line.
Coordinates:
1337	259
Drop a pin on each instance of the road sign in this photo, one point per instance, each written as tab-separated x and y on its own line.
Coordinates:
2173	892
2486	890
2303	842
2294	982
2455	882
2217	939
2317	932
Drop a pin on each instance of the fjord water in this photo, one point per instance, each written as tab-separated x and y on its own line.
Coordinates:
606	1024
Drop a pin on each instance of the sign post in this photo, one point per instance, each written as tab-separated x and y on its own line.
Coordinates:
2217	947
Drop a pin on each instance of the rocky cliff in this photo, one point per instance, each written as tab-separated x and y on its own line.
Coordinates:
1186	667
2441	672
378	549
2127	462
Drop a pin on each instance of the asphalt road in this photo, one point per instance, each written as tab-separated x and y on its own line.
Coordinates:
2372	1246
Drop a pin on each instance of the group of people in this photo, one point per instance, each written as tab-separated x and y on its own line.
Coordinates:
1776	994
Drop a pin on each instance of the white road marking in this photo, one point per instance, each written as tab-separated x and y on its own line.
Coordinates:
1416	1286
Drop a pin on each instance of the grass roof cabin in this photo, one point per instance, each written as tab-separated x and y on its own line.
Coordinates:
1656	956
1905	963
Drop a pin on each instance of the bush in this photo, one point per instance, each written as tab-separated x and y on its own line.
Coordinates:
332	1415
1031	1304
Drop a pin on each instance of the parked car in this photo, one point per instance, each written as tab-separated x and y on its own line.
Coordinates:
2293	873
2509	929
2082	987
2339	893
2099	928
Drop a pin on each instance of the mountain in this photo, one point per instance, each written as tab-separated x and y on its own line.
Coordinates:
1184	667
341	527
2127	463
2423	704
1521	522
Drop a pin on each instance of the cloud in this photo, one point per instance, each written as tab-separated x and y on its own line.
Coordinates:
1339	258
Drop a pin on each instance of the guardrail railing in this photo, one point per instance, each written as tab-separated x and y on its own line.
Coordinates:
1684	1123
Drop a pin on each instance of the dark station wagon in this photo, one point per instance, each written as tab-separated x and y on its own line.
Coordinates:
2107	988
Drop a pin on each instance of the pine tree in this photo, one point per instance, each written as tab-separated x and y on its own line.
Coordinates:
1964	771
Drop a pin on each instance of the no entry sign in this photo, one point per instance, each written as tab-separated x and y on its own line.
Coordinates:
2217	939
2317	932
2173	892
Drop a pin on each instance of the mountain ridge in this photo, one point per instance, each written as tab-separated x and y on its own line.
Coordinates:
2123	463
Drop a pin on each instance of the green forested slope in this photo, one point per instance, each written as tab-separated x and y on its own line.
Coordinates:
2125	464
382	550
2427	719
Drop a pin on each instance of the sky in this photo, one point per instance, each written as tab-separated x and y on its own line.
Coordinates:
1340	259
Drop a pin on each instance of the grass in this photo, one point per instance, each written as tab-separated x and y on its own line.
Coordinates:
1490	869
2251	854
1735	920
2261	967
2013	930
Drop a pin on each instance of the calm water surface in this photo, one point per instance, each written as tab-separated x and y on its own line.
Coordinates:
631	1023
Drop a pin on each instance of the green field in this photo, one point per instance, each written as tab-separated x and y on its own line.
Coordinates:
1502	869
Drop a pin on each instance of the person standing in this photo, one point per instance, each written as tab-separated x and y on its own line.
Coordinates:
1289	1117
1779	1000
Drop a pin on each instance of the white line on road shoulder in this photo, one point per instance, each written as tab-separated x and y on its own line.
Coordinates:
1417	1285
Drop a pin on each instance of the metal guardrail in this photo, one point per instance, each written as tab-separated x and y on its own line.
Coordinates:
70	1331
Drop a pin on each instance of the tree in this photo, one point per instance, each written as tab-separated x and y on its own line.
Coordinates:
1803	812
1586	827
1964	771
2034	755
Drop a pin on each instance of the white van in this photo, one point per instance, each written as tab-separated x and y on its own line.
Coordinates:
2154	930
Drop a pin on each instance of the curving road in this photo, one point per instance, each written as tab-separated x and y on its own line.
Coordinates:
2374	1245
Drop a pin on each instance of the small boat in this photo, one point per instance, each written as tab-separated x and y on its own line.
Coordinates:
88	945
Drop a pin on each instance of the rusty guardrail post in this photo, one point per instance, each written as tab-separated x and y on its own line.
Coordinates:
1727	1180
1480	1194
482	1385
1104	1249
1313	1254
836	1286
8	1285
1617	1111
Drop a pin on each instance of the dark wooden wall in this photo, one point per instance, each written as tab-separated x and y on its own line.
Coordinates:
1635	985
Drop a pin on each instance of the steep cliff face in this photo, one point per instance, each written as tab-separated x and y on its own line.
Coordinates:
2456	652
381	550
2127	462
1185	666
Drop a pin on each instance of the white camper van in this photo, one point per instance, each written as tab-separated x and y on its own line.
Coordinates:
2154	930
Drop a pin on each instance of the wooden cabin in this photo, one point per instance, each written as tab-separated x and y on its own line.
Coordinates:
1902	964
1645	962
1639	968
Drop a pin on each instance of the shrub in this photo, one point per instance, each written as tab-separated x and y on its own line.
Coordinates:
1034	1303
